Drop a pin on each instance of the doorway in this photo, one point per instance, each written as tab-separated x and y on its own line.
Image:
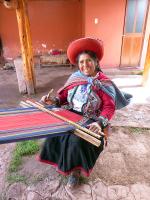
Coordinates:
133	34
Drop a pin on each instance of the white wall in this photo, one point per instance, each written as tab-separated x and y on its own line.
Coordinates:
146	38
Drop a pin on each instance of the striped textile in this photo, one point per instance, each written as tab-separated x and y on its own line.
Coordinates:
30	123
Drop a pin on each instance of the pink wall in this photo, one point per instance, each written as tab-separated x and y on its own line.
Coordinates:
9	32
110	14
53	25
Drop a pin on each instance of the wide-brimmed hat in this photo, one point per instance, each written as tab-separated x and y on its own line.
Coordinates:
83	44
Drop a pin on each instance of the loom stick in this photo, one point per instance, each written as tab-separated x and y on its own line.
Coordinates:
64	119
77	132
87	137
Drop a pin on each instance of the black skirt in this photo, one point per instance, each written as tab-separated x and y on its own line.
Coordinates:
69	152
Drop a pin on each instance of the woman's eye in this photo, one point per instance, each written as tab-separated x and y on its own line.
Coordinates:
88	60
81	62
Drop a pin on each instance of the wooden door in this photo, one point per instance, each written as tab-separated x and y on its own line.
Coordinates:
132	39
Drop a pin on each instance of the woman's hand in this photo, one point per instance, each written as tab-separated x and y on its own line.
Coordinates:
48	100
95	127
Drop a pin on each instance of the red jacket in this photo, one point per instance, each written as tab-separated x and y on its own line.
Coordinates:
107	107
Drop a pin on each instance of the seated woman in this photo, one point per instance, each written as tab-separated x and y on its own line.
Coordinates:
88	92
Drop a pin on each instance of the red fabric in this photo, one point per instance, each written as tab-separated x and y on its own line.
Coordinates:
84	172
34	119
69	115
83	44
108	105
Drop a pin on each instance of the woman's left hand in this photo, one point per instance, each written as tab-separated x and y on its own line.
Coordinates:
95	127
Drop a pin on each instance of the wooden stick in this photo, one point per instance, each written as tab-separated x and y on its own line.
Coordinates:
64	119
50	92
87	137
24	104
77	132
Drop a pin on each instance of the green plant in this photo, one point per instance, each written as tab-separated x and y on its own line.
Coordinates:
13	178
137	72
137	130
22	149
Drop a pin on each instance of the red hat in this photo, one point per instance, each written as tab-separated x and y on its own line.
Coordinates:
84	44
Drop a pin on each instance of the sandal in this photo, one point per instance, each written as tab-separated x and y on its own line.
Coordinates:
73	179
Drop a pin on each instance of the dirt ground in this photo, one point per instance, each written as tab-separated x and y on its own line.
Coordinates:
122	170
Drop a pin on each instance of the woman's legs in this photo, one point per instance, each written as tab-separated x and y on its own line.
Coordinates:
70	154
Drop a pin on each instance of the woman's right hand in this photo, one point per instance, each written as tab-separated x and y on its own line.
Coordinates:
46	99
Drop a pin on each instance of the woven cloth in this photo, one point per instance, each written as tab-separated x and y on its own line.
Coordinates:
30	123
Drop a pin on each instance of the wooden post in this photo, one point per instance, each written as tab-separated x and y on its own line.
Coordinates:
26	46
146	73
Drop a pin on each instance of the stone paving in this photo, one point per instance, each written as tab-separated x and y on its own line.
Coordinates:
52	187
121	178
96	190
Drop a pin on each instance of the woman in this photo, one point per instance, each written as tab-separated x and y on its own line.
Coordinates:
90	93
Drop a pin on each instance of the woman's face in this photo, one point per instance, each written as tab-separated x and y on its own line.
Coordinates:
87	65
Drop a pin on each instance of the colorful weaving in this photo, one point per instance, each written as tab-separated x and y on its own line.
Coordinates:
28	123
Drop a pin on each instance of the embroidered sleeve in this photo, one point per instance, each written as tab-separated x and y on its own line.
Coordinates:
103	122
108	105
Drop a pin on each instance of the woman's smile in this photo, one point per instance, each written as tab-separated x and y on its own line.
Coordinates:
87	65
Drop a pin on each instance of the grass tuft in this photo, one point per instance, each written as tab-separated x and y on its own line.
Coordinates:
14	178
137	130
24	148
137	72
27	148
15	163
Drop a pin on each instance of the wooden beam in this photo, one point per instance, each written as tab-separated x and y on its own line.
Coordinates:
26	45
146	73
